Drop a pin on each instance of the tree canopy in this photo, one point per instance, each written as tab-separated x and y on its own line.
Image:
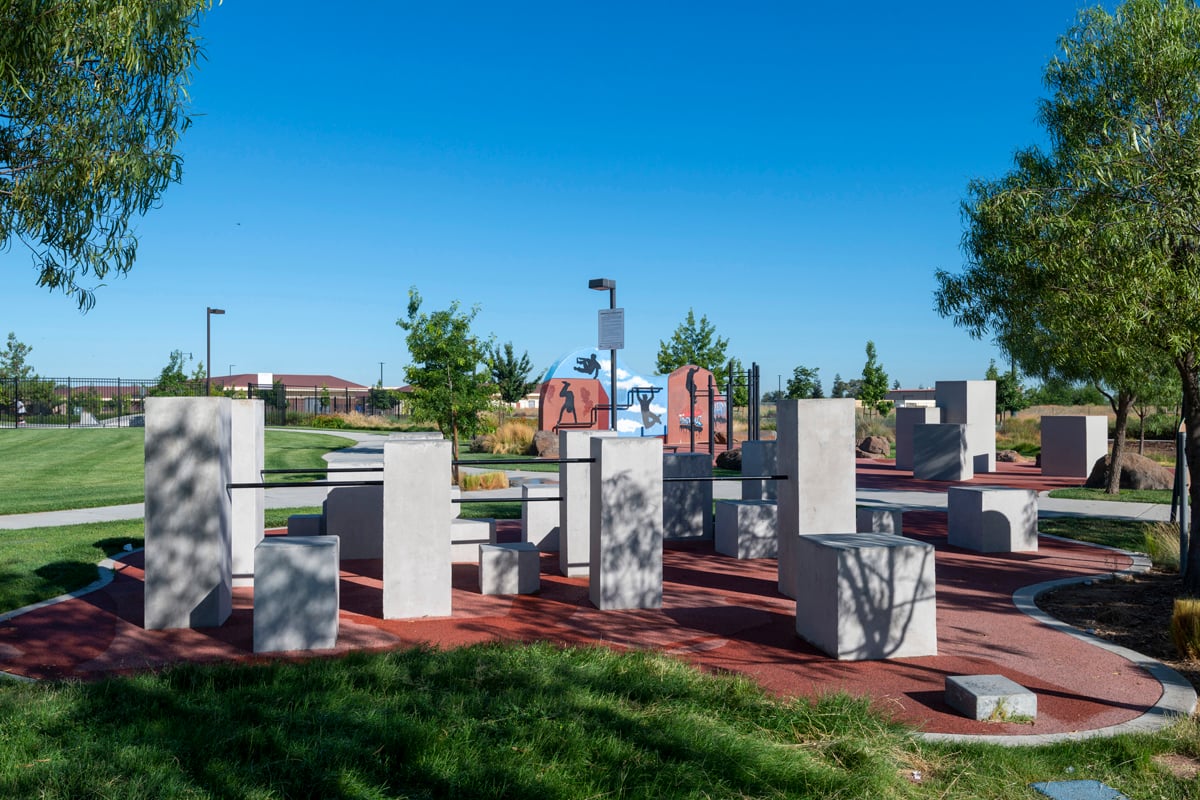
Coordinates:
874	388
509	373
92	97
14	363
1010	394
692	343
450	387
1086	257
805	383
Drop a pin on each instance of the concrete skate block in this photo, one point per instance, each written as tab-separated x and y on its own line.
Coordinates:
747	528
625	565
296	593
972	403
575	510
880	520
989	697
416	529
541	519
940	453
687	506
354	514
306	525
467	534
1071	444
510	568
759	458
990	520
906	418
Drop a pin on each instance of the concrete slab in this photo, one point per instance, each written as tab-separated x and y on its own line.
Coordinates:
1077	790
989	697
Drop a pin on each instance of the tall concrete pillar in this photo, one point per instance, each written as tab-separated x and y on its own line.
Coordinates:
816	453
248	456
687	505
416	529
759	458
625	569
972	403
189	558
575	510
906	418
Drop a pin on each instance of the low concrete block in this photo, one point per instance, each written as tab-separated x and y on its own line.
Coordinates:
355	515
296	593
880	520
866	596
1071	444
747	528
990	520
940	453
510	568
990	697
306	525
540	518
467	534
759	458
687	506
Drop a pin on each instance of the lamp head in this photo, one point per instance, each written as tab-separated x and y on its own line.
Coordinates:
602	284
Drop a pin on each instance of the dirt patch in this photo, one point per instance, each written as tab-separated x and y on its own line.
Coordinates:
1133	612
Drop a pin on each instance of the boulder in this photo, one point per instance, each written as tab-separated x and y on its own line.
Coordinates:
1137	472
1012	457
875	444
860	453
730	459
545	444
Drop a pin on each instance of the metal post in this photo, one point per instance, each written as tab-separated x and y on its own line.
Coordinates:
612	364
712	432
729	407
70	403
1181	491
692	418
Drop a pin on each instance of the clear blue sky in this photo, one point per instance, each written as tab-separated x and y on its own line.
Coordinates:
790	170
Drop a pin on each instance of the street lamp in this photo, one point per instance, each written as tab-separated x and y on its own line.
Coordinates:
609	285
208	352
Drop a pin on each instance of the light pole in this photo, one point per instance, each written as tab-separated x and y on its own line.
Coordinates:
381	363
610	285
208	352
231	366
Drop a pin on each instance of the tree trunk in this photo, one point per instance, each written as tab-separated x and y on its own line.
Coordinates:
1121	404
1141	434
454	452
1191	421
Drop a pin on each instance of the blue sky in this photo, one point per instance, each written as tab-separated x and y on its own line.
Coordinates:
792	172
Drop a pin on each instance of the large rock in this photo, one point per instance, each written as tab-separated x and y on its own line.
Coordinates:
875	444
1137	472
546	444
730	459
1012	457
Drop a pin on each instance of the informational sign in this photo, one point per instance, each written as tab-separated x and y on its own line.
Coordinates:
612	329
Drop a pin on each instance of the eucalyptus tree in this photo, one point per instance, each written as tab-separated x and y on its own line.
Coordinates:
1091	250
92	97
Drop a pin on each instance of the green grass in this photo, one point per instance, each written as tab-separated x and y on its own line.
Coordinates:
1161	496
495	509
51	470
523	467
507	721
1127	534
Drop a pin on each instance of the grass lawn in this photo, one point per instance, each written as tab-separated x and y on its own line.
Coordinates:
106	465
483	458
508	721
1162	496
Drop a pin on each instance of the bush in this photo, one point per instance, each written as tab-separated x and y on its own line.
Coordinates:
1185	627
327	421
488	480
513	438
874	425
1162	545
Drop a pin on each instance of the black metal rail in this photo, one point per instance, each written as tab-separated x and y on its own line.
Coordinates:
718	479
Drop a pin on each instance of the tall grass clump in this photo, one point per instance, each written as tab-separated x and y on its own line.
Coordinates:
1162	545
874	425
486	480
1023	434
513	438
1185	627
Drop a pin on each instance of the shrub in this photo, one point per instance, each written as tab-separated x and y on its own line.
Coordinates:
1185	627
873	425
327	421
513	438
1162	544
487	480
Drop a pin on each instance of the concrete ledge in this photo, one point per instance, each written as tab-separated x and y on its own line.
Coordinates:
510	568
747	528
296	593
467	534
991	520
880	520
306	525
989	697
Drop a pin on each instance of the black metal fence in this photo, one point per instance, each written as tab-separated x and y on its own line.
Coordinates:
120	402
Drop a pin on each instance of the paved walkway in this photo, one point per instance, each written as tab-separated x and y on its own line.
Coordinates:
718	613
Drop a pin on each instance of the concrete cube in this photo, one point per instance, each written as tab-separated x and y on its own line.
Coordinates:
687	505
625	566
510	568
747	528
1071	444
541	519
455	508
866	596
972	403
816	453
416	529
992	520
759	458
188	512
989	697
880	520
306	525
247	459
906	418
575	510
467	534
296	593
355	515
940	453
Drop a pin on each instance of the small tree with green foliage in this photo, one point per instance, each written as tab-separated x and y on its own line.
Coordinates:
874	387
450	384
692	343
173	382
1010	394
14	360
804	384
509	373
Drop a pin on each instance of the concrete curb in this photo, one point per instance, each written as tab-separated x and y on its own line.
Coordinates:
1178	698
